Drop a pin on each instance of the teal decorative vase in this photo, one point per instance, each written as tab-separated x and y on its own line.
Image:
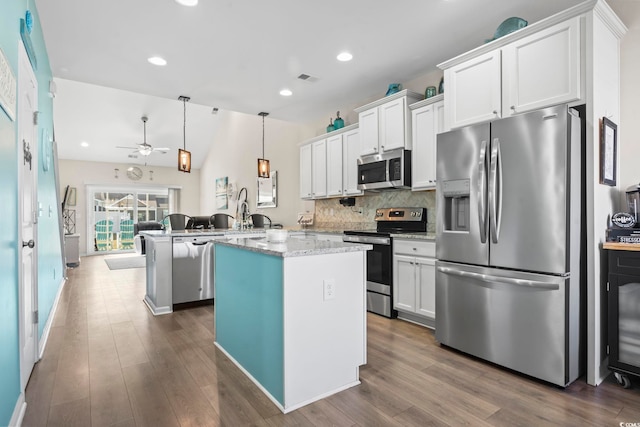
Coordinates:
393	88
338	123
431	91
330	128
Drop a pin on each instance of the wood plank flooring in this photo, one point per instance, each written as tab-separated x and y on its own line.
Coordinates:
109	362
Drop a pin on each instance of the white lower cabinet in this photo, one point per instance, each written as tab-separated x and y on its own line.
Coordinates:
414	279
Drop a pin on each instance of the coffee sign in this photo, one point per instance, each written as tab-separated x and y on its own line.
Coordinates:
624	220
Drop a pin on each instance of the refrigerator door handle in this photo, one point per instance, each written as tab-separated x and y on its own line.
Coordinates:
495	190
533	284
482	190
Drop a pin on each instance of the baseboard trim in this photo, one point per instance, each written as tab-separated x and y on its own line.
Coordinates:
18	412
42	342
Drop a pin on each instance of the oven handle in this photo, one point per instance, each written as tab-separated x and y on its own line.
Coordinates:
367	239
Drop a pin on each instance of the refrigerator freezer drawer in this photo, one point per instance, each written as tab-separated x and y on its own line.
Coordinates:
517	320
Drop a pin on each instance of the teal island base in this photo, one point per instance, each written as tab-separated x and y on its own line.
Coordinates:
295	325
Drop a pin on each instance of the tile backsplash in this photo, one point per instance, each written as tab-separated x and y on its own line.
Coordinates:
330	213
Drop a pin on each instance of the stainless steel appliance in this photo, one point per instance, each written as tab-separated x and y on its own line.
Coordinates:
193	269
389	221
508	242
633	202
391	169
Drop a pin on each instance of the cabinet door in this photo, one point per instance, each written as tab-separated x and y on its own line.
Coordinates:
350	154
319	169
426	287
305	171
473	91
334	166
423	155
404	283
542	69
368	131
392	125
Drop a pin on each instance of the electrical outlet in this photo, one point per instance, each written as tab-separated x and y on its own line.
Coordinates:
329	286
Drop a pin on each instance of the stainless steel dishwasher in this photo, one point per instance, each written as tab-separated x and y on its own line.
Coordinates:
193	268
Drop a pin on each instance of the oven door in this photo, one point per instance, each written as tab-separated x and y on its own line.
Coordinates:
379	274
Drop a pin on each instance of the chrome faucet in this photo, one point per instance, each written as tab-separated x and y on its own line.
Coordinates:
242	209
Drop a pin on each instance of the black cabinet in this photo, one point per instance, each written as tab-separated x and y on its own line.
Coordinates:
624	314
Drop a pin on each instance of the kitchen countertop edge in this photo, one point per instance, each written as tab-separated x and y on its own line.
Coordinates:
293	247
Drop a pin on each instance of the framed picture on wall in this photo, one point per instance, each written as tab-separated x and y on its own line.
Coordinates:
608	152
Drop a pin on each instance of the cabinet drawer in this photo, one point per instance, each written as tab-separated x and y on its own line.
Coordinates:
624	262
414	247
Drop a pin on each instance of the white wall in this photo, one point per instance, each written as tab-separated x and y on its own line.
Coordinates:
234	153
79	174
629	126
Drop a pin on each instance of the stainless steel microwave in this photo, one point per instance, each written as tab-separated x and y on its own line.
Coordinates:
391	169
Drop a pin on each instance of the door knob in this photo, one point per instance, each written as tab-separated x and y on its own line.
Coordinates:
30	243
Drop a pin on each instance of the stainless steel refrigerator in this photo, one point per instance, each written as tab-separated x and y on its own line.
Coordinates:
508	242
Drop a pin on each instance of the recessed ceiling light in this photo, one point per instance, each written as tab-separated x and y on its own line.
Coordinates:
187	2
286	92
345	56
156	60
84	144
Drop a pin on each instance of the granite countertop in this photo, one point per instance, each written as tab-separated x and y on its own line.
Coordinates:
416	236
293	246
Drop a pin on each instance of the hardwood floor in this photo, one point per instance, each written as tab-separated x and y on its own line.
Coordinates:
109	362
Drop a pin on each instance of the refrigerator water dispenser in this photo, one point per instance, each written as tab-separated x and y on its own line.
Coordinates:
456	204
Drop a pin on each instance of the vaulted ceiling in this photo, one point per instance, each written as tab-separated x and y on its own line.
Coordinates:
238	54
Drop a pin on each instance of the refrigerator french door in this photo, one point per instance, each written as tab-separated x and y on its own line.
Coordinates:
508	242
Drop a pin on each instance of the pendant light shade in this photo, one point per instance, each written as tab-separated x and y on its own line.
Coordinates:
264	170
184	156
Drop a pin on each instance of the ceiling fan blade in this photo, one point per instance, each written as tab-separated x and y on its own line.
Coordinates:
128	148
162	149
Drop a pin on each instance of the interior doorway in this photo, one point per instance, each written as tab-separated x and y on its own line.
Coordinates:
27	212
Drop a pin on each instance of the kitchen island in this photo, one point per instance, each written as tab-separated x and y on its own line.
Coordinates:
161	254
292	315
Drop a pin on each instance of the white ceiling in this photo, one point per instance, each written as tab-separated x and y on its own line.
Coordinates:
237	55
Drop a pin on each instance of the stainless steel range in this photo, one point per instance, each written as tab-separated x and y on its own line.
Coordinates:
389	221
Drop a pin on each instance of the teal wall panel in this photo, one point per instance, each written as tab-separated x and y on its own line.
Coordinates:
249	313
49	253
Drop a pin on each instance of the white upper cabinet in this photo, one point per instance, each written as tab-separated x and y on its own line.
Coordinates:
473	91
329	165
350	154
386	123
530	72
542	69
334	166
369	132
305	172
427	120
319	169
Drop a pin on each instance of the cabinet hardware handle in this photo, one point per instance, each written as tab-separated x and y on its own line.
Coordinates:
415	249
513	107
495	112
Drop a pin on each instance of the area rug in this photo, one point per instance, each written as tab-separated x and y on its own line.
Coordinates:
120	263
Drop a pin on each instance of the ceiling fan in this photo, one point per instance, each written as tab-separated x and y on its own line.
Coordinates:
145	149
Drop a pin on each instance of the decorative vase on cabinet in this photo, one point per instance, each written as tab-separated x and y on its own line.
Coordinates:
331	127
338	123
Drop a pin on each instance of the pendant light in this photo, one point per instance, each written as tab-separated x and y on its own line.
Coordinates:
184	156
263	164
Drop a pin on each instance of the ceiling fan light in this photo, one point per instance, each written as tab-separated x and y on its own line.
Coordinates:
145	151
